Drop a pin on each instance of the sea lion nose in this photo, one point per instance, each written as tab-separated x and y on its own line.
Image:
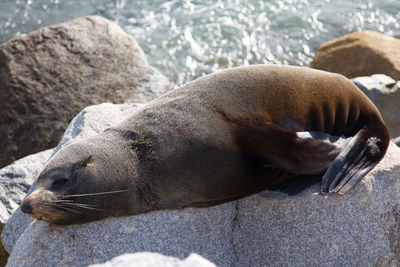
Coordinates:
26	208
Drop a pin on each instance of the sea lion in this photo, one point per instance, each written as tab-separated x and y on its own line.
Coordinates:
221	137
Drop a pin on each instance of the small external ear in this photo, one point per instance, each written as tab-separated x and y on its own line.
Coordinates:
85	161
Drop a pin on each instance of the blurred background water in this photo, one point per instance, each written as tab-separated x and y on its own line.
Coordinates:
187	39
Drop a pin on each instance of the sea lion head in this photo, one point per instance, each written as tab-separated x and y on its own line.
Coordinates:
85	182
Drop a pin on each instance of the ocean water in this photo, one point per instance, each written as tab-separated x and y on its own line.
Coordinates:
187	39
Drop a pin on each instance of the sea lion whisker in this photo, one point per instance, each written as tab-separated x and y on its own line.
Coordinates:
90	208
95	194
62	201
82	205
56	208
76	204
68	209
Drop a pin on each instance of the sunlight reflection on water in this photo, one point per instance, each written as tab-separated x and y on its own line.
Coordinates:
187	39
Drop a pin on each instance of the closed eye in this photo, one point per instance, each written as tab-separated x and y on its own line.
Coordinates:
59	182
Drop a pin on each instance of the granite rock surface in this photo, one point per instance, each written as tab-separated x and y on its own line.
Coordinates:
360	228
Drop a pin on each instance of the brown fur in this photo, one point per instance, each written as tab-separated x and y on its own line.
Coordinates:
221	137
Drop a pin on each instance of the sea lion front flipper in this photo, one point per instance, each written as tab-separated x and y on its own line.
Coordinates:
362	153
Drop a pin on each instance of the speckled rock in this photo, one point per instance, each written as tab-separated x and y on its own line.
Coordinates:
360	54
385	93
177	233
360	228
147	259
48	76
15	180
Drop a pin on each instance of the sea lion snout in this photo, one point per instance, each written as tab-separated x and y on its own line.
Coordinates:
37	204
31	202
26	208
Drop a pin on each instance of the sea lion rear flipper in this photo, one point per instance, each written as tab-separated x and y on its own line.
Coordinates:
362	153
287	150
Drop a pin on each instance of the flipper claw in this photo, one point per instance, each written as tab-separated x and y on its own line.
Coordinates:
361	155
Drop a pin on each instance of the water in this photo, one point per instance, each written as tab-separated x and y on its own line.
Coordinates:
187	39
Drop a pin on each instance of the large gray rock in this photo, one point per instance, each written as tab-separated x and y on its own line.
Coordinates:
207	232
360	228
385	93
147	259
48	76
